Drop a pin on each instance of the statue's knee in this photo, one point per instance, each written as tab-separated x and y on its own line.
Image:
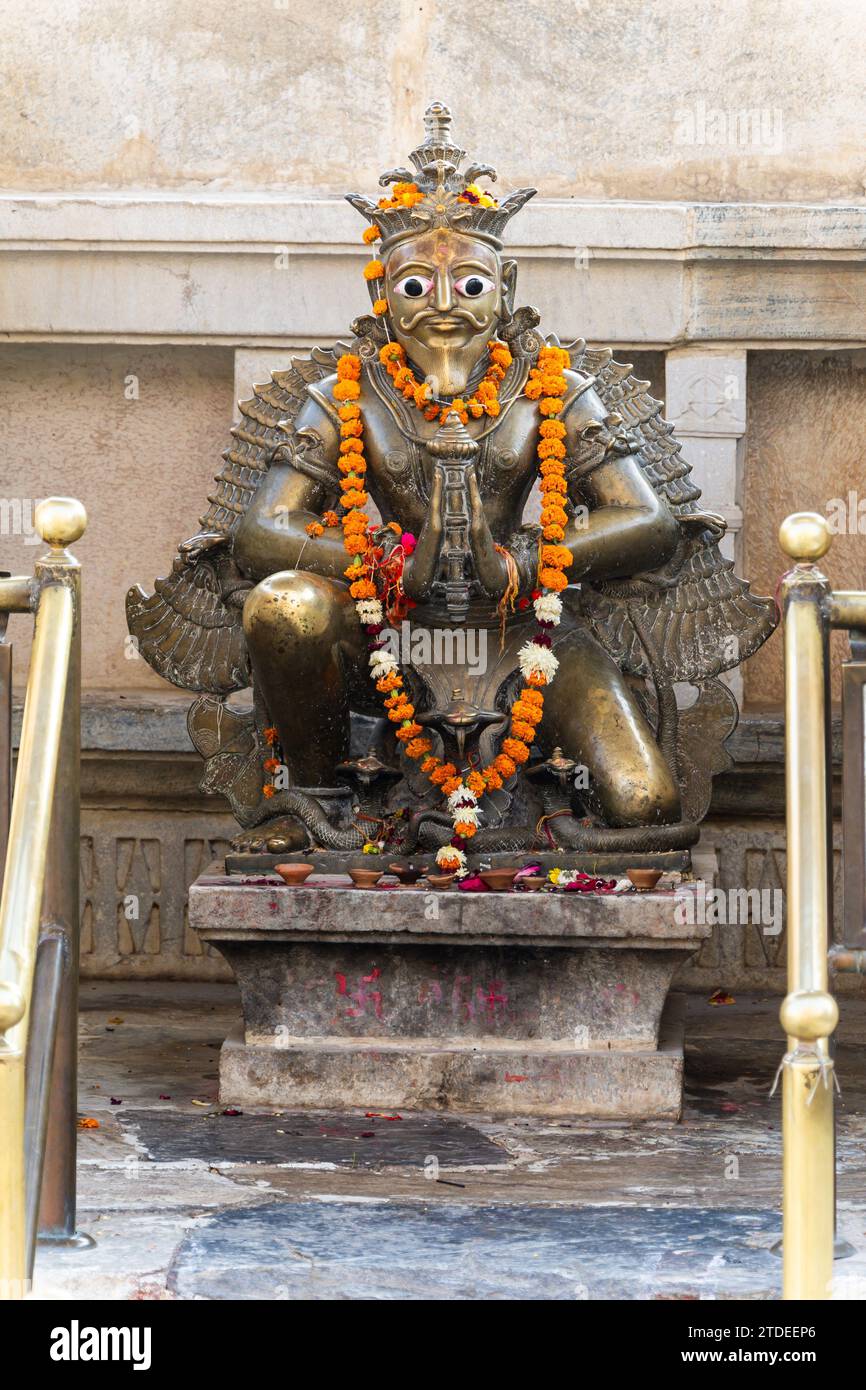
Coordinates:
293	606
661	802
649	796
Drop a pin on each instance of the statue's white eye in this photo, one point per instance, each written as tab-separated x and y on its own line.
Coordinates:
473	285
414	286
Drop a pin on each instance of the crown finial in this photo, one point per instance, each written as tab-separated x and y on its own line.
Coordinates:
440	193
437	123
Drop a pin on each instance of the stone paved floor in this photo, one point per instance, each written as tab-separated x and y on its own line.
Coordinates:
344	1206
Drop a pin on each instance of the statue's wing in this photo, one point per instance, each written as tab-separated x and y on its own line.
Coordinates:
257	435
693	617
189	629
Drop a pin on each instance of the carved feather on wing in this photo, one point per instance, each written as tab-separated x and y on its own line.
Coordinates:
189	629
257	435
693	617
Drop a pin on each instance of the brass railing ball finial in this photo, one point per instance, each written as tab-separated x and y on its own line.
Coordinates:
60	521
809	1014
805	537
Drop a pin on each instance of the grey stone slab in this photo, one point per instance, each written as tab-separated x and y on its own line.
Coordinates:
605	1085
760	738
356	1140
343	1250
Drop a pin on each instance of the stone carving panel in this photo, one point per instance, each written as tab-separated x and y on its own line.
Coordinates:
747	951
136	868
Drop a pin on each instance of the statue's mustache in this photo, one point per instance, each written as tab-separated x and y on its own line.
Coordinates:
408	324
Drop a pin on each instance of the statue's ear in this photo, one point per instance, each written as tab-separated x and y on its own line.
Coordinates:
509	286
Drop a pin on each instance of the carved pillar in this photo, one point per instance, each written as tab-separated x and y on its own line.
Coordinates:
705	398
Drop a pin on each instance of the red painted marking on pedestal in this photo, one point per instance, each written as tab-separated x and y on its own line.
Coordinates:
362	995
457	1000
490	997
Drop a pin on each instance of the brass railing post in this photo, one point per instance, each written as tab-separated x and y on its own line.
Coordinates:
13	1262
14	596
5	740
809	1013
53	671
60	917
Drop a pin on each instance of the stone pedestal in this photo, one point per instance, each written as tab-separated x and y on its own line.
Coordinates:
500	1003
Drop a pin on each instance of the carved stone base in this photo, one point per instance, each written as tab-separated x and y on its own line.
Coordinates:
503	1003
489	1078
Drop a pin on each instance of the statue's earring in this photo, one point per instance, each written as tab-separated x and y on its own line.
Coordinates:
509	285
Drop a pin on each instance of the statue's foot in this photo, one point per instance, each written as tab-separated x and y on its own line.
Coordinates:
281	835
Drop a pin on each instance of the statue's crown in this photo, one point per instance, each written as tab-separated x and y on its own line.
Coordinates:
438	194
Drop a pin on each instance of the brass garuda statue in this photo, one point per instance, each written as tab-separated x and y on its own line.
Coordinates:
522	676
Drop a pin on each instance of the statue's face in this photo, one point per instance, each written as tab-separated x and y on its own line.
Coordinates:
445	297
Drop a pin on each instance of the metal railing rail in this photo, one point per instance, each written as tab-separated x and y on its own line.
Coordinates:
39	907
809	1012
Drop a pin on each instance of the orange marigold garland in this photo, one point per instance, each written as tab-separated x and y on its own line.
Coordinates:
538	665
484	400
272	763
547	385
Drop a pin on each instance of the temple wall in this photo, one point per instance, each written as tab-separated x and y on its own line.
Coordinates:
753	99
804	451
172	227
133	431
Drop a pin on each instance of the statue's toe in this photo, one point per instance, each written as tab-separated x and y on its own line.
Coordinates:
280	835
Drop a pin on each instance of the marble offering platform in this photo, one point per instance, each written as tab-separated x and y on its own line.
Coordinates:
517	1003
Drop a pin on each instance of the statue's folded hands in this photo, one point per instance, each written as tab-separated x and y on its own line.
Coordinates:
420	568
490	566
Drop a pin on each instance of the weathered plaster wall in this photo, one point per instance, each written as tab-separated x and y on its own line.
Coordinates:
804	448
141	466
619	99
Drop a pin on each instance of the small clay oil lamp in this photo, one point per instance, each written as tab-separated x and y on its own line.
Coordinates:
365	878
406	873
500	880
644	880
294	874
